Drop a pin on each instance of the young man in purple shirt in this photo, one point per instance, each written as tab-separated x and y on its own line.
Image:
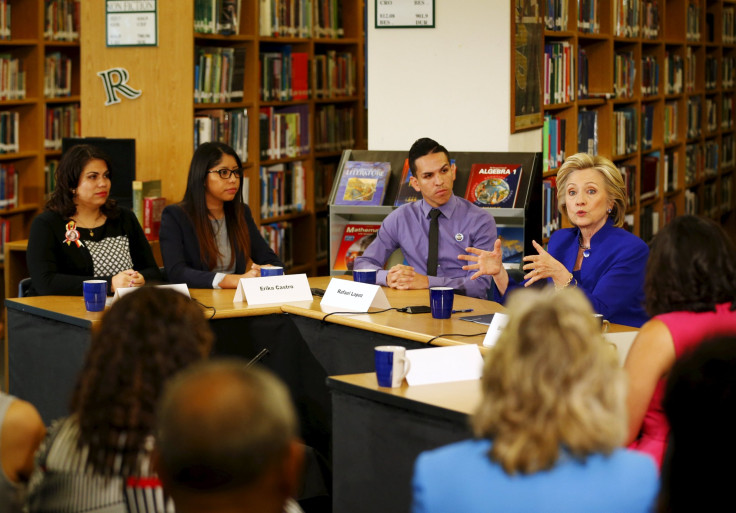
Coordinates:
461	225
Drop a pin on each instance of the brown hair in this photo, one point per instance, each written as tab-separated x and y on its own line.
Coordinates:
145	338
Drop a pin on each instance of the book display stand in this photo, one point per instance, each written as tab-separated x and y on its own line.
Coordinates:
524	220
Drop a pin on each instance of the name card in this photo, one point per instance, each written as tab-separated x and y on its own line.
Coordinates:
181	288
273	289
351	296
498	323
444	364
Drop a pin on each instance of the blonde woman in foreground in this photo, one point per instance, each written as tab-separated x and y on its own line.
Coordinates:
550	424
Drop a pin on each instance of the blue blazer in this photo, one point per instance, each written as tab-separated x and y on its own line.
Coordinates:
462	477
180	249
612	277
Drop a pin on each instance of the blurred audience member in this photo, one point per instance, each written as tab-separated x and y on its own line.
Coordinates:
227	441
549	426
700	404
98	458
690	289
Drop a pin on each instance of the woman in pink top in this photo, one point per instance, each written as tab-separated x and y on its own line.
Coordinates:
690	289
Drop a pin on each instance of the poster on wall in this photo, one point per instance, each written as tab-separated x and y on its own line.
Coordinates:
131	22
526	62
404	14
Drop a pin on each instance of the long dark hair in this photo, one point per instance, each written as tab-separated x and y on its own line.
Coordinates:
700	403
144	339
207	156
67	180
691	267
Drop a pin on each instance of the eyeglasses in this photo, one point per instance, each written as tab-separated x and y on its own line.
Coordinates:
225	173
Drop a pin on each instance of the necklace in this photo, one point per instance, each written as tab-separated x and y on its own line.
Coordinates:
93	224
586	249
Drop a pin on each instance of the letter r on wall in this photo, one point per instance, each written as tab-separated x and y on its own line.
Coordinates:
114	81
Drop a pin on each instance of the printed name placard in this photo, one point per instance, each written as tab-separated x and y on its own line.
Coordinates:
351	296
498	323
273	289
181	288
444	364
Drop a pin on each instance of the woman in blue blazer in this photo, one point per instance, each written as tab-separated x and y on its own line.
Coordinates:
208	240
549	425
596	255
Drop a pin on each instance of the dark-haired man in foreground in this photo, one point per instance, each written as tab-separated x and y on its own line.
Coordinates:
226	441
459	224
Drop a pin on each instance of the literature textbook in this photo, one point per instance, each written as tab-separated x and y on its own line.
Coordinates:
363	183
493	185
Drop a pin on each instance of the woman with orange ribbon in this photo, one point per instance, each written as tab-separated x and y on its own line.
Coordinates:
83	234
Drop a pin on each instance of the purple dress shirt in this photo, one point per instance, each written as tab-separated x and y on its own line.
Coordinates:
462	225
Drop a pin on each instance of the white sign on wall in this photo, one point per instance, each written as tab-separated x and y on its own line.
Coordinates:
404	13
131	22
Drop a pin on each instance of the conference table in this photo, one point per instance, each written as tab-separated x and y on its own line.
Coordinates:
47	337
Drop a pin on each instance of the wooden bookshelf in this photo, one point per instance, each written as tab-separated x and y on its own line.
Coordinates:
164	142
687	123
32	40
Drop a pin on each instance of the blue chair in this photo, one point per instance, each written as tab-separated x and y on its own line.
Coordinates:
23	287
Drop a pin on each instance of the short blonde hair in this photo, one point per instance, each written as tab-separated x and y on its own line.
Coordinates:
551	383
614	182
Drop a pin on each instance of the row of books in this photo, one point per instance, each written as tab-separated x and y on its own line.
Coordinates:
647	126
555	15
57	78
284	131
334	74
627	18
694	115
334	128
624	74
648	223
12	77
670	122
8	186
649	178
588	131
626	131
711	203
5	19
301	18
650	18
148	204
711	159
62	20
489	185
649	75
219	74
691	69
559	73
279	237
728	142
628	173
694	163
669	210
711	72
61	121
217	17
283	189
49	176
673	72
284	75
711	115
589	16
691	202
727	193
553	142
4	236
728	71
670	170
729	27
227	126
9	139
550	214
727	112
692	30
582	73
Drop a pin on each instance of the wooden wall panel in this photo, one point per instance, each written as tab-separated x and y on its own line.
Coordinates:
160	120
